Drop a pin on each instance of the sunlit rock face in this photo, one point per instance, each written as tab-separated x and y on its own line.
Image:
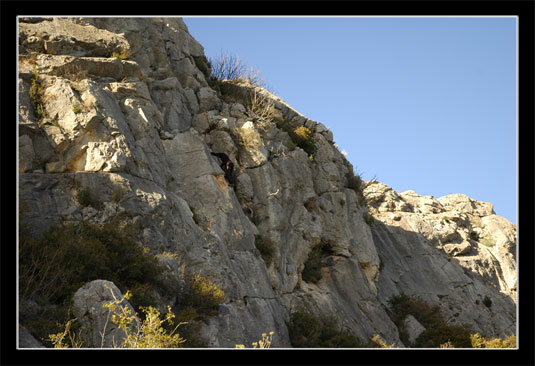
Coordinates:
452	251
129	105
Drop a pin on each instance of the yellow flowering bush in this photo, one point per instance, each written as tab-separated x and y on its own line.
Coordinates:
265	342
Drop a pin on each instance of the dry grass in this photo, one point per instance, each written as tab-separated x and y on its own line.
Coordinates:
238	82
228	67
248	138
261	106
29	59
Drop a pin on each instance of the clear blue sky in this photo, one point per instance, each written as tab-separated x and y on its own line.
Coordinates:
423	104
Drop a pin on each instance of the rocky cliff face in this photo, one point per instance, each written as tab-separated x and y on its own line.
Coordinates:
145	125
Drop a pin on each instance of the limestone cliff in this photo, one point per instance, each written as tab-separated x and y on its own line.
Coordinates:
144	122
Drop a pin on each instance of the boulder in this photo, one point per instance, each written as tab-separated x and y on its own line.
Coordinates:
413	328
98	331
208	99
200	123
458	249
253	152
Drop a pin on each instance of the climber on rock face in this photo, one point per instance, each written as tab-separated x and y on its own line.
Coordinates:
227	165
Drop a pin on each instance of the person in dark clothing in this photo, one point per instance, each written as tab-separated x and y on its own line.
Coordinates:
227	165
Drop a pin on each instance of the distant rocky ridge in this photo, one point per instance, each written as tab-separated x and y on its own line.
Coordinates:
128	105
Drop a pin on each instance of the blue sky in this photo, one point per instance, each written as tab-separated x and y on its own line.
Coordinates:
420	103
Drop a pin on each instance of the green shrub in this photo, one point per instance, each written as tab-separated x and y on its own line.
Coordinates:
308	331
312	269
355	183
77	107
304	330
402	305
118	194
487	302
53	267
302	136
66	257
36	96
191	328
123	54
381	264
232	92
201	294
266	247
199	298
438	331
368	218
284	125
48	319
399	307
457	335
84	197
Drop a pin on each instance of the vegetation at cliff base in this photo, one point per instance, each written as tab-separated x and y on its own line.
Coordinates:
54	266
265	342
151	331
308	331
201	294
438	333
478	341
